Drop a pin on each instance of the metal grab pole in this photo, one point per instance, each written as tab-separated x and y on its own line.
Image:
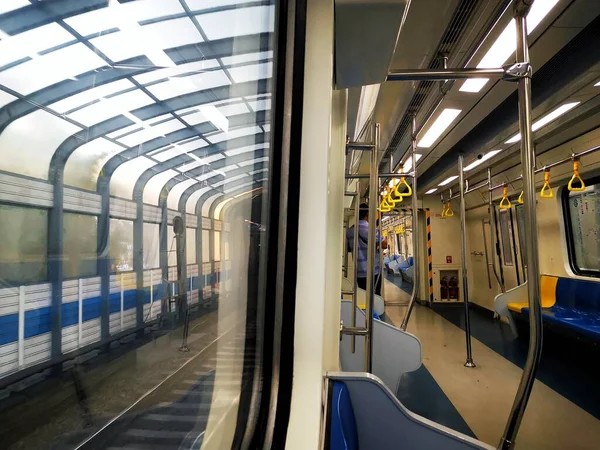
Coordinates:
463	254
371	246
533	277
415	228
346	225
493	234
355	271
444	74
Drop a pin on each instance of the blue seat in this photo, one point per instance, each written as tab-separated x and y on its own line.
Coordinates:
344	434
577	307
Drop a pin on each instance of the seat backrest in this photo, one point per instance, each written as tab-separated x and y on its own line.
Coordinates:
411	261
343	435
578	295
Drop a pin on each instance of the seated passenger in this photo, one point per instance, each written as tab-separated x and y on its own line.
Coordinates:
361	261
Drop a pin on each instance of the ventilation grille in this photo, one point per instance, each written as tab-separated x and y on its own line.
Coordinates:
462	16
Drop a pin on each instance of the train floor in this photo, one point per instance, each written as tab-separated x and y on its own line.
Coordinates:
477	401
155	396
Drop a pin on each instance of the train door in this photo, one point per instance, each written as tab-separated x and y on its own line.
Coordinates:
507	248
479	258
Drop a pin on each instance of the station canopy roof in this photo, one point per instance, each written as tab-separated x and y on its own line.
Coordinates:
158	98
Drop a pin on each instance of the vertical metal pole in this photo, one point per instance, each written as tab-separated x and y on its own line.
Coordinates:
463	255
355	269
415	229
346	225
80	313
493	232
533	276
371	246
21	328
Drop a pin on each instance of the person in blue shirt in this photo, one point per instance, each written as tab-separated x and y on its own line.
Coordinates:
361	260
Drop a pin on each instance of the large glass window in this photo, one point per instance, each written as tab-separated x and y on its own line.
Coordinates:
521	231
80	245
151	245
190	245
121	245
217	246
23	245
582	215
205	246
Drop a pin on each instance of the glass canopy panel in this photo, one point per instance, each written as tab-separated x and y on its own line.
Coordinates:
122	45
11	5
179	70
51	68
237	22
199	5
30	43
111	107
253	161
89	95
244	74
179	149
246	57
106	18
86	162
124	179
155	185
228	180
6	98
208	203
192	202
177	86
28	143
250	148
232	134
151	132
260	104
176	192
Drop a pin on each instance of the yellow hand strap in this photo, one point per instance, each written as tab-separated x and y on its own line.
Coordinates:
443	210
505	202
449	212
576	177
395	192
408	192
546	189
520	200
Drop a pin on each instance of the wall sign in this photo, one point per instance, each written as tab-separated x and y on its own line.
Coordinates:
448	259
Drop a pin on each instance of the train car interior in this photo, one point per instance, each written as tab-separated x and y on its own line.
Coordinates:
299	224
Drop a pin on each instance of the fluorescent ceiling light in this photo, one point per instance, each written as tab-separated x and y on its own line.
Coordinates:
431	191
438	127
408	163
214	116
448	180
563	109
485	157
597	84
506	44
366	105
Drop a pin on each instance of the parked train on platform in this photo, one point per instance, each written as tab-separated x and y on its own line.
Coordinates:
299	224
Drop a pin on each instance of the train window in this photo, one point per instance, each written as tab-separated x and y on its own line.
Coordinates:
521	230
121	245
151	245
23	244
582	217
190	245
80	245
506	236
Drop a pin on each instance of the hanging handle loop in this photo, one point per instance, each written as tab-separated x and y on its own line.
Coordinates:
443	210
505	202
449	212
403	182
546	189
395	192
520	200
576	178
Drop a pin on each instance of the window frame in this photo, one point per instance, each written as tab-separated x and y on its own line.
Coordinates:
568	235
97	271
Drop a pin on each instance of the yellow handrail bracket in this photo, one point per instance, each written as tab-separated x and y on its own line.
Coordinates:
546	191
576	178
505	202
